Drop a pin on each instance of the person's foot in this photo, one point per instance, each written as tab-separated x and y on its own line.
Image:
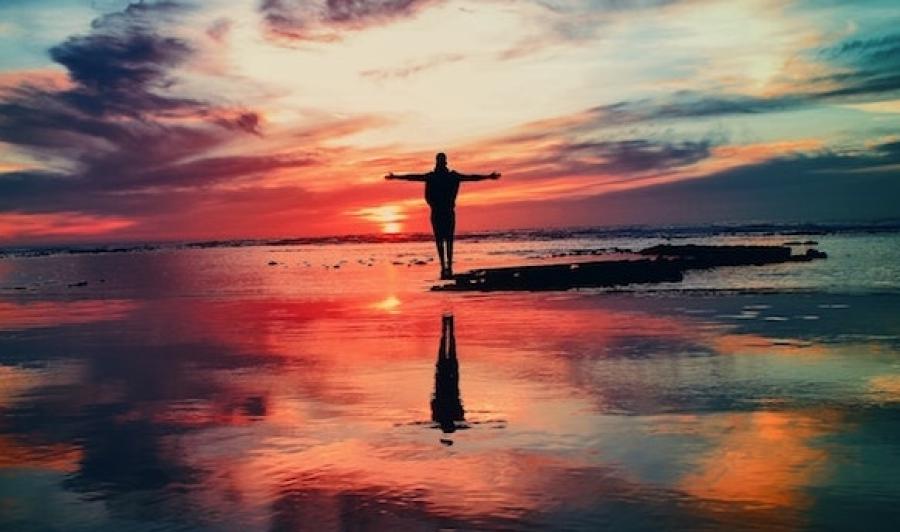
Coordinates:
446	275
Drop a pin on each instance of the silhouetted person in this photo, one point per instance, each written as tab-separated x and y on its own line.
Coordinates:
446	406
441	188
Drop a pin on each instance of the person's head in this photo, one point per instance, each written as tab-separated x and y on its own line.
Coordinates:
440	161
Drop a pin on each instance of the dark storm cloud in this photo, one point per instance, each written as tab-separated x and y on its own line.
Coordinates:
576	145
48	191
318	20
116	71
119	64
115	130
34	118
631	156
827	186
28	190
112	62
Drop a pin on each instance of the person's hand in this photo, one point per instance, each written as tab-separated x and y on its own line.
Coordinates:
495	175
390	176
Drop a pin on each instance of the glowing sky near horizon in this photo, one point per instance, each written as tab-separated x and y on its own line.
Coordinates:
254	118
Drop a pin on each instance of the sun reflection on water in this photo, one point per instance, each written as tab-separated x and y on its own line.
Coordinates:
389	304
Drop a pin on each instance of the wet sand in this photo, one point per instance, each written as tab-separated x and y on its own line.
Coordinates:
213	390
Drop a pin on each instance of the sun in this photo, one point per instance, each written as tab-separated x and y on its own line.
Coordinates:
388	217
391	228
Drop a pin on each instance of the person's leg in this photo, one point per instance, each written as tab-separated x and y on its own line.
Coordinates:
438	240
450	234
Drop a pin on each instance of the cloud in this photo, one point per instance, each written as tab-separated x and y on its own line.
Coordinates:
619	160
219	29
47	78
121	61
325	19
412	68
117	66
247	121
825	186
116	98
577	145
868	68
117	130
857	70
688	104
568	22
58	224
361	10
862	70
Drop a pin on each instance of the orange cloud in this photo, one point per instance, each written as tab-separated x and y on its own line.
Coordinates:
44	78
65	224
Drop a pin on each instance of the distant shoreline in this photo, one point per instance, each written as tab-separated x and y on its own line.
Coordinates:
665	232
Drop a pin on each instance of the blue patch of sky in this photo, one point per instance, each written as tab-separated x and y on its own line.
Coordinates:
29	28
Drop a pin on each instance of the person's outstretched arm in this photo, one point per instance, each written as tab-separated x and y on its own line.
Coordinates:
479	177
407	177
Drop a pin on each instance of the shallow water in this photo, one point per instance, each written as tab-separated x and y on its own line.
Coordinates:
207	389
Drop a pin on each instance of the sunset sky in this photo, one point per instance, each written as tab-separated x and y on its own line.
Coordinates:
274	118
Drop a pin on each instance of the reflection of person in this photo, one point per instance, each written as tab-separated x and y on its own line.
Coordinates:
446	406
441	189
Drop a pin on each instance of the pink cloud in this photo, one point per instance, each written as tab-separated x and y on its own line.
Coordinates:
15	226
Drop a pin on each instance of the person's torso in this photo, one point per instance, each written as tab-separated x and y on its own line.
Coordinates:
441	189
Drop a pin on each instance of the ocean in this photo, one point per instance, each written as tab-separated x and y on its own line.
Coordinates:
281	385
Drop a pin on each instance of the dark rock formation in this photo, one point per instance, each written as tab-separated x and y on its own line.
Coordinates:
566	276
668	265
